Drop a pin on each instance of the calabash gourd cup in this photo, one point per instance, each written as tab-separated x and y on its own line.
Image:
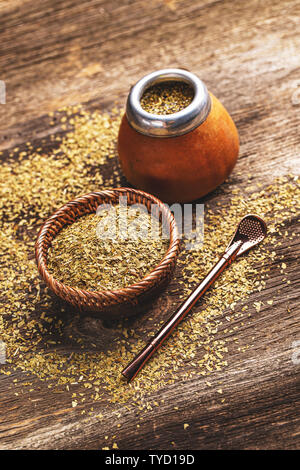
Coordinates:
182	156
108	303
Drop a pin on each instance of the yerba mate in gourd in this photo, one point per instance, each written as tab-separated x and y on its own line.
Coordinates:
176	140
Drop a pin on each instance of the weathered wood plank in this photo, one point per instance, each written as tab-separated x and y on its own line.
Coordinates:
57	53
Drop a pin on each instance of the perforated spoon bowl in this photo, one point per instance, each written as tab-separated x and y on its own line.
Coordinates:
250	231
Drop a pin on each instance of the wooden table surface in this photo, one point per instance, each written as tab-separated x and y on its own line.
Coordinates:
55	53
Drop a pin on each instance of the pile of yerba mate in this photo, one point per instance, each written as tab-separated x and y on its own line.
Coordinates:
80	356
167	97
95	254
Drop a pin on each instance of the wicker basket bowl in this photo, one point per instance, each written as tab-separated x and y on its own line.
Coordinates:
124	301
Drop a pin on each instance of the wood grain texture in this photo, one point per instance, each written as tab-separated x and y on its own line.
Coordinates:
61	52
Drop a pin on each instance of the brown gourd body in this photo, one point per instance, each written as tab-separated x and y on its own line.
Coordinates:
183	168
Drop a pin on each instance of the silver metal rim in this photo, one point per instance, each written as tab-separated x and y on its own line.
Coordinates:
169	125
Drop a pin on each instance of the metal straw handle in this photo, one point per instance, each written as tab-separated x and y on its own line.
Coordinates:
140	360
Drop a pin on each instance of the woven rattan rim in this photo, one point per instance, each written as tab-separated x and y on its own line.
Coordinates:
97	300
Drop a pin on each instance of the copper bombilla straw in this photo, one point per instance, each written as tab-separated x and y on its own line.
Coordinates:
235	248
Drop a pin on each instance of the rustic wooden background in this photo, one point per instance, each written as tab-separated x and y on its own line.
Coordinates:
61	52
